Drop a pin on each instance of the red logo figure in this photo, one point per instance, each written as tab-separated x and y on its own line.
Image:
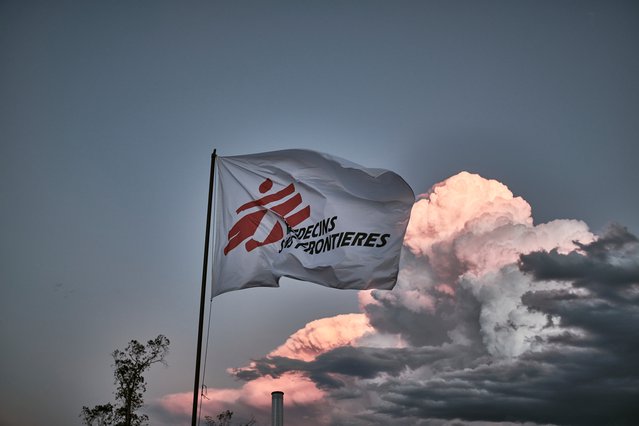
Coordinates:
247	225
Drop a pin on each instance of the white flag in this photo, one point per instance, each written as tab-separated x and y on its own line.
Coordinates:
309	216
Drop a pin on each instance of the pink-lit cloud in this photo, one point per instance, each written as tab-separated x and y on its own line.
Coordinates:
315	338
469	225
482	226
252	400
462	203
324	334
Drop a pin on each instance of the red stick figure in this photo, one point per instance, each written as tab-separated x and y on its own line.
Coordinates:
246	226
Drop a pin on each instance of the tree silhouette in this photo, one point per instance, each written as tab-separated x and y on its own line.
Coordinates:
100	415
129	364
224	419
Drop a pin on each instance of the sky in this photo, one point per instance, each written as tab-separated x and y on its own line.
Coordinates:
515	123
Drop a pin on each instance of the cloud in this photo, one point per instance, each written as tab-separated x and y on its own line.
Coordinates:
459	281
303	400
462	203
324	334
494	320
607	267
254	397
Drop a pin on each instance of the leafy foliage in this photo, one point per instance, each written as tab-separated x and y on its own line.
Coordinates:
100	415
224	419
129	364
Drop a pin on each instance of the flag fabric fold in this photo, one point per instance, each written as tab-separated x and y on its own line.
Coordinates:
309	216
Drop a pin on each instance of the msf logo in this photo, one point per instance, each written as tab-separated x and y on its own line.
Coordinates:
246	227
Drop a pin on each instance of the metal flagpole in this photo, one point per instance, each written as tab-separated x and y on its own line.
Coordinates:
198	356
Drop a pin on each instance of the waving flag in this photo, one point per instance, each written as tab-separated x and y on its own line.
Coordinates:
309	216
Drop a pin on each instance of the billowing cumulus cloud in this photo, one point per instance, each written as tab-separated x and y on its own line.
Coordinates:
324	334
494	320
460	282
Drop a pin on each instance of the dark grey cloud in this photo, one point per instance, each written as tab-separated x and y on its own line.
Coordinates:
608	267
433	326
555	386
361	362
587	374
616	239
582	371
606	309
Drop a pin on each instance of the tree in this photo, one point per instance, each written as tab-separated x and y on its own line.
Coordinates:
224	419
130	384
100	415
129	365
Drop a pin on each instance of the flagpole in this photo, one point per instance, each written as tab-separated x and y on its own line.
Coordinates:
198	356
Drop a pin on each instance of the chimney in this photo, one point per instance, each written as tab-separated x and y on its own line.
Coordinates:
277	412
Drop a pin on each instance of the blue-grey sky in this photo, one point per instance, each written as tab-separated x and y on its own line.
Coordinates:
110	110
